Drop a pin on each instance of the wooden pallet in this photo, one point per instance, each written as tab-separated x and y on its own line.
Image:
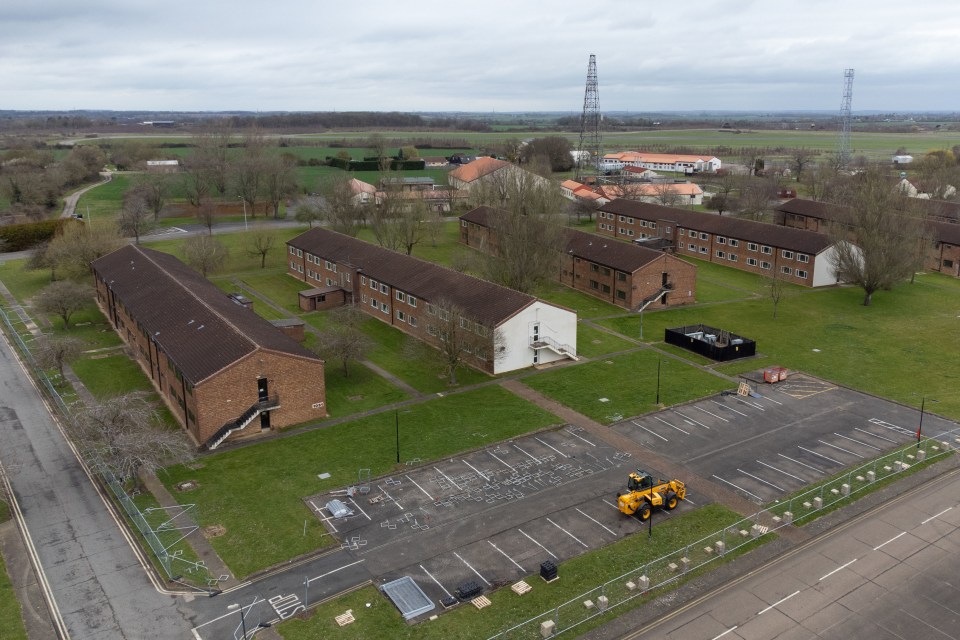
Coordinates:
480	602
521	588
346	618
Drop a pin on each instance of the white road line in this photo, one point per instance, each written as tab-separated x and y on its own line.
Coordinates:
878	547
778	602
537	543
691	419
720	404
761	480
820	455
548	445
506	556
770	466
576	436
771	400
361	510
535	459
841	449
323	518
840	435
711	414
610	504
837	569
653	433
567	532
448	478
389	497
890	426
740	488
501	461
330	573
449	595
670	425
471	568
751	404
599	523
255	602
802	464
733	628
934	517
410	478
875	435
479	473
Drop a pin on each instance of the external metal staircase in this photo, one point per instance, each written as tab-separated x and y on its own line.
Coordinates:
243	421
546	342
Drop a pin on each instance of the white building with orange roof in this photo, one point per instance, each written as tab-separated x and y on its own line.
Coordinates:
467	175
660	162
680	194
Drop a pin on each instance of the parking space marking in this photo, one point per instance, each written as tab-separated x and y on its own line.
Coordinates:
537	543
410	478
841	449
840	435
599	523
501	461
890	426
471	568
324	519
449	595
935	516
568	533
361	510
611	504
576	436
670	425
535	459
653	433
875	435
720	404
699	408
448	479
781	489
557	450
739	488
690	420
820	455
770	466
390	498
750	404
479	473
771	400
733	628
802	464
503	553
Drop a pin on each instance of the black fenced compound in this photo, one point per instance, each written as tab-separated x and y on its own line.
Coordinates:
711	342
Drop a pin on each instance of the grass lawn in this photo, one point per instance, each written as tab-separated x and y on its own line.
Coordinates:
359	391
278	287
110	375
255	492
105	200
592	342
578	575
23	283
238	245
11	619
629	382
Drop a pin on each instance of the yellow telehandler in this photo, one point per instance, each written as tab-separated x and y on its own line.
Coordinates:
643	494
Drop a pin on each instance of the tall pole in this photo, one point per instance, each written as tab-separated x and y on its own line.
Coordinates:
244	203
658	381
396	417
923	402
650	523
306	585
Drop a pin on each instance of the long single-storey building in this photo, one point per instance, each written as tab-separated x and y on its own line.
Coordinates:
797	256
416	296
621	273
224	371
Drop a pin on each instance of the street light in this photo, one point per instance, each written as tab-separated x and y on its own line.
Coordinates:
243	621
396	417
923	402
244	202
658	381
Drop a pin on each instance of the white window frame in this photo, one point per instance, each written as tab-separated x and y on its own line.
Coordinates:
752	262
802	257
734	243
767	251
412	301
704	236
786	255
785	270
401	316
752	246
802	274
765	265
384	288
732	257
401	296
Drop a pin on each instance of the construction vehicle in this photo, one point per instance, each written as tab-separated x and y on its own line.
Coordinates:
643	494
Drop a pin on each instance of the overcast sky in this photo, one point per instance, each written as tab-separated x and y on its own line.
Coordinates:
319	55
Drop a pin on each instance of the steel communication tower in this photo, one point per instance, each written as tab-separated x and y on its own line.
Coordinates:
590	150
843	154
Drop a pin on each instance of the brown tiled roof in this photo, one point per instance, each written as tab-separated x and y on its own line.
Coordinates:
477	169
812	209
748	230
484	301
195	323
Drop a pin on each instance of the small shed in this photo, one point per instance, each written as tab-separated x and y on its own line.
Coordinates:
322	298
293	327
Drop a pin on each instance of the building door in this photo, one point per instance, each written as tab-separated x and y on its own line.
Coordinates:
663	283
535	332
262	393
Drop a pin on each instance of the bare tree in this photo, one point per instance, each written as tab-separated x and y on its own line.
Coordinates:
280	179
77	245
938	174
250	170
399	223
666	194
308	210
341	211
755	196
204	253
53	352
799	159
461	340
262	240
126	435
207	212
776	286
344	340
64	298
153	189
378	149
135	218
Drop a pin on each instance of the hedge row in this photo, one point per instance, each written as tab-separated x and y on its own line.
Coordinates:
18	237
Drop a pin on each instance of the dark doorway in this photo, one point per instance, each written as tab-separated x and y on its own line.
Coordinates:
262	393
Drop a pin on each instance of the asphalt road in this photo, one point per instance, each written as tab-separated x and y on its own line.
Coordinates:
889	574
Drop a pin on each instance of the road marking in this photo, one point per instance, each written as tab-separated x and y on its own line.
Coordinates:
875	435
389	497
711	414
781	489
820	455
770	466
501	461
878	547
576	436
448	478
479	473
750	404
837	569
841	449
410	478
506	556
537	543
471	568
653	433
720	404
547	444
361	510
611	504
600	523
840	435
535	459
567	532
771	400
740	488
256	601
286	606
449	595
733	628
778	602
670	425
692	421
802	464
890	426
934	517
323	518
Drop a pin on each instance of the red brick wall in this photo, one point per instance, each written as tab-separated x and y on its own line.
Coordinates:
944	258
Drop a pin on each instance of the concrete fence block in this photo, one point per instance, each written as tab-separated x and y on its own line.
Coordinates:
673	567
835	491
744	533
547	628
845	489
708	550
720	547
777	519
603	603
871	476
860	478
685	563
818	503
807	505
788	517
644	583
588	605
921	455
631	586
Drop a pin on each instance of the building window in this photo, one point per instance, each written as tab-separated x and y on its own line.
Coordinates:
802	257
373	284
667	230
401	297
653	225
300	268
328	265
432	330
383	307
682	245
692	247
732	257
752	246
681	232
621	295
704	236
721	254
364	298
605	288
293	251
299	253
620	219
373	303
363	280
643	223
384	288
630	232
594	284
752	262
401	316
764	265
703	249
787	255
801	274
346	277
621	277
786	270
431	309
412	320
463	223
721	240
293	265
766	250
594	268
734	243
411	301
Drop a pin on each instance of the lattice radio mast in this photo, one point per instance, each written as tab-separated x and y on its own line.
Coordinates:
843	154
590	151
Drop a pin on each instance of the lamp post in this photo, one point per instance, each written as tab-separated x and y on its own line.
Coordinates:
396	417
923	402
243	621
658	381
244	203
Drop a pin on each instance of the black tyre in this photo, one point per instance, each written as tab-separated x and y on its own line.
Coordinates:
643	512
670	501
